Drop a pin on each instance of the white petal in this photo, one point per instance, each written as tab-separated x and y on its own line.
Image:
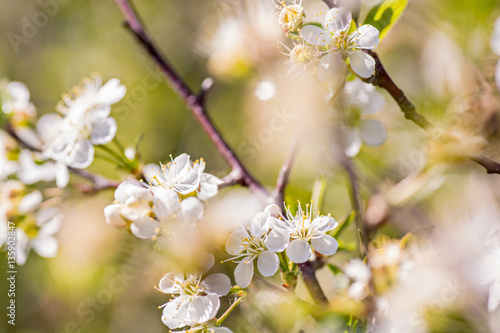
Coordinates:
299	251
47	126
338	19
209	186
326	223
166	202
122	191
233	243
367	37
277	240
203	308
353	141
22	247
329	67
362	63
103	131
113	217
273	210
111	92
325	244
218	284
62	175
315	35
357	290
45	246
372	132
175	313
167	284
268	263
259	224
192	209
206	260
145	228
82	155
30	202
494	296
244	272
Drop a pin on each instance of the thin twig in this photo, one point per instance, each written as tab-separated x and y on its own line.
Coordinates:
382	79
355	203
240	174
278	194
308	270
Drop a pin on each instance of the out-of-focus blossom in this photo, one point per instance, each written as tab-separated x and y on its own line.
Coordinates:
336	37
290	17
489	274
15	99
7	166
304	231
259	242
266	90
195	301
359	272
361	99
82	121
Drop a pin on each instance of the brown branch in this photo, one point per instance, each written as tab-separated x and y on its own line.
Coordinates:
382	79
278	194
239	174
308	270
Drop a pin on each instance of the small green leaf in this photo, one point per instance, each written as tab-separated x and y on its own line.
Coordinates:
344	225
385	15
335	269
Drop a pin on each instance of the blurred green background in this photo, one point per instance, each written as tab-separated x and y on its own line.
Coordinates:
82	36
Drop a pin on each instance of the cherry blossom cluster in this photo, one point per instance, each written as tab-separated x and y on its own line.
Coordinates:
173	194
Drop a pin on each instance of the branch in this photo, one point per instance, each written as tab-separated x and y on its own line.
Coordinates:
382	79
355	203
308	270
239	174
278	194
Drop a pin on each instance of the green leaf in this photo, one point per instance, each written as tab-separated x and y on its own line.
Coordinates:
344	225
335	269
385	15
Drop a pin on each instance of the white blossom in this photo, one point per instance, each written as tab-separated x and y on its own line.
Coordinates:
361	100
256	242
82	121
195	301
184	177
489	274
341	44
360	273
290	17
15	98
305	232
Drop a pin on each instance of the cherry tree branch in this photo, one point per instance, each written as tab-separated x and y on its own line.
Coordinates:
278	194
382	79
239	174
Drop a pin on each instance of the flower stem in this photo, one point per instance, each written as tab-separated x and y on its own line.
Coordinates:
228	311
308	270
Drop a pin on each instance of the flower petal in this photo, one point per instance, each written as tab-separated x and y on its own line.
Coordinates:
45	246
268	263
373	132
166	202
495	37
315	35
113	217
209	186
362	63
329	66
192	209
233	243
111	92
82	155
203	308
103	131
277	240
217	283
366	37
299	251
167	285
325	244
30	202
62	175
353	141
338	19
175	313
494	296
244	272
145	228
